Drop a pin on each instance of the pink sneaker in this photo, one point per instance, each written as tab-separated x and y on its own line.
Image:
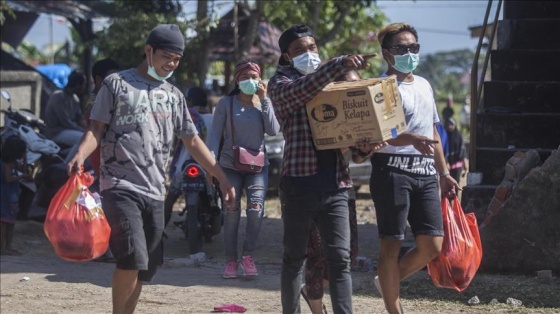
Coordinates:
248	266
231	270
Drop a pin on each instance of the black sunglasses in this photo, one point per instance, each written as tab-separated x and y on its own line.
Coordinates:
403	49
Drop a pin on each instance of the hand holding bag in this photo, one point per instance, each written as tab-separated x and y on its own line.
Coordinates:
245	160
461	252
75	224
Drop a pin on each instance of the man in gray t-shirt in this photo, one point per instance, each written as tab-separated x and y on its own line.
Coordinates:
135	118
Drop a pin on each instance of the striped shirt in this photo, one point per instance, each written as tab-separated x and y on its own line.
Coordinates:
290	91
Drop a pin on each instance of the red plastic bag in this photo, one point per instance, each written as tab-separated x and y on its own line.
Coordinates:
461	253
75	224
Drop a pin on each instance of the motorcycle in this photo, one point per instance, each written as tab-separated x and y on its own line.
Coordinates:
41	152
202	215
29	128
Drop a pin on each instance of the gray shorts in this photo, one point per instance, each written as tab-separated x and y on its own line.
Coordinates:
137	224
400	197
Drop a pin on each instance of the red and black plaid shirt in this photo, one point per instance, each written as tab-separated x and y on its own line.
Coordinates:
290	91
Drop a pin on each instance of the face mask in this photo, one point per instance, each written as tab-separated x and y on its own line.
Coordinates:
152	72
248	87
406	63
307	63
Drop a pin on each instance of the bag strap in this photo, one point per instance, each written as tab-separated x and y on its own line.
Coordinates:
231	120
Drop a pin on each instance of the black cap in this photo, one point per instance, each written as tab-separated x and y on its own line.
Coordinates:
167	37
295	32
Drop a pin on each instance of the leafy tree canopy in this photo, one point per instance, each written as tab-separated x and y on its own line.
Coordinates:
445	71
341	27
126	36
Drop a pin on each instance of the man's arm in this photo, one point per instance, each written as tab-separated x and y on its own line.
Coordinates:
289	95
90	141
423	144
448	184
65	117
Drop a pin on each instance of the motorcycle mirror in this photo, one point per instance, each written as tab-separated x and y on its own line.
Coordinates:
6	95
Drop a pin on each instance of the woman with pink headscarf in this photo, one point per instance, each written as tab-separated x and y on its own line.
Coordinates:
249	109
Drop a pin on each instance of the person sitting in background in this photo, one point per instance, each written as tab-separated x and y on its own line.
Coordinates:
64	118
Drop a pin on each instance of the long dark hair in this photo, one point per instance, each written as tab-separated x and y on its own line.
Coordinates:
13	149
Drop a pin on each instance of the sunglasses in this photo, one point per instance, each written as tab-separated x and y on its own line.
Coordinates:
403	49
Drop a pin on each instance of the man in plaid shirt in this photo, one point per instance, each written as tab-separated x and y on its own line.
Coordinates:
314	182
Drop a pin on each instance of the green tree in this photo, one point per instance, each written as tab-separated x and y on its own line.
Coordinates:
444	71
5	10
126	36
32	55
341	27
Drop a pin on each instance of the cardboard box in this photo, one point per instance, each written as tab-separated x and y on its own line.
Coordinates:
344	112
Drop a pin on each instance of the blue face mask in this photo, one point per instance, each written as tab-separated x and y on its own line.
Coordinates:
406	63
152	71
307	62
248	87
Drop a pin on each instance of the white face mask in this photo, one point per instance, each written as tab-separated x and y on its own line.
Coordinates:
152	71
307	62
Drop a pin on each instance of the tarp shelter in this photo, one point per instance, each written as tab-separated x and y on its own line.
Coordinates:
264	50
79	13
58	73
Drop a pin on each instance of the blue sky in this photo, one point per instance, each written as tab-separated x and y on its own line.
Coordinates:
442	25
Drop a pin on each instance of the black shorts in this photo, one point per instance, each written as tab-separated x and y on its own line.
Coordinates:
399	197
137	224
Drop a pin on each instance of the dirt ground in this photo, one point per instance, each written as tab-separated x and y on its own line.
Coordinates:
40	282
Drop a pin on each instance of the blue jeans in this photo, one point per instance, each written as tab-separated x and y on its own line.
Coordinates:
68	137
329	210
255	186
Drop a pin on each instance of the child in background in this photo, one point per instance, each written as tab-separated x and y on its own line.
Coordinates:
12	150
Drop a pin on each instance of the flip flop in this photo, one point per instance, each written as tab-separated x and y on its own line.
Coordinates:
231	308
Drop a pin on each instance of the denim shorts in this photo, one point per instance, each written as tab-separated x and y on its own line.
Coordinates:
399	197
137	224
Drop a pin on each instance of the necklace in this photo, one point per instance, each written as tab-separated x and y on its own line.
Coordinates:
245	104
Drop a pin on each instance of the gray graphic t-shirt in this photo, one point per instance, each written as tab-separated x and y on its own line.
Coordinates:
142	117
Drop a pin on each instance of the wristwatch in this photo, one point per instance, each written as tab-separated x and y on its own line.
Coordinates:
445	174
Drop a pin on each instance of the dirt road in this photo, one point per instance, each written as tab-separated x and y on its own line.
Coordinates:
40	282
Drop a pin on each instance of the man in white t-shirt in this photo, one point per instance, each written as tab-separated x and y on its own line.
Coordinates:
404	180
